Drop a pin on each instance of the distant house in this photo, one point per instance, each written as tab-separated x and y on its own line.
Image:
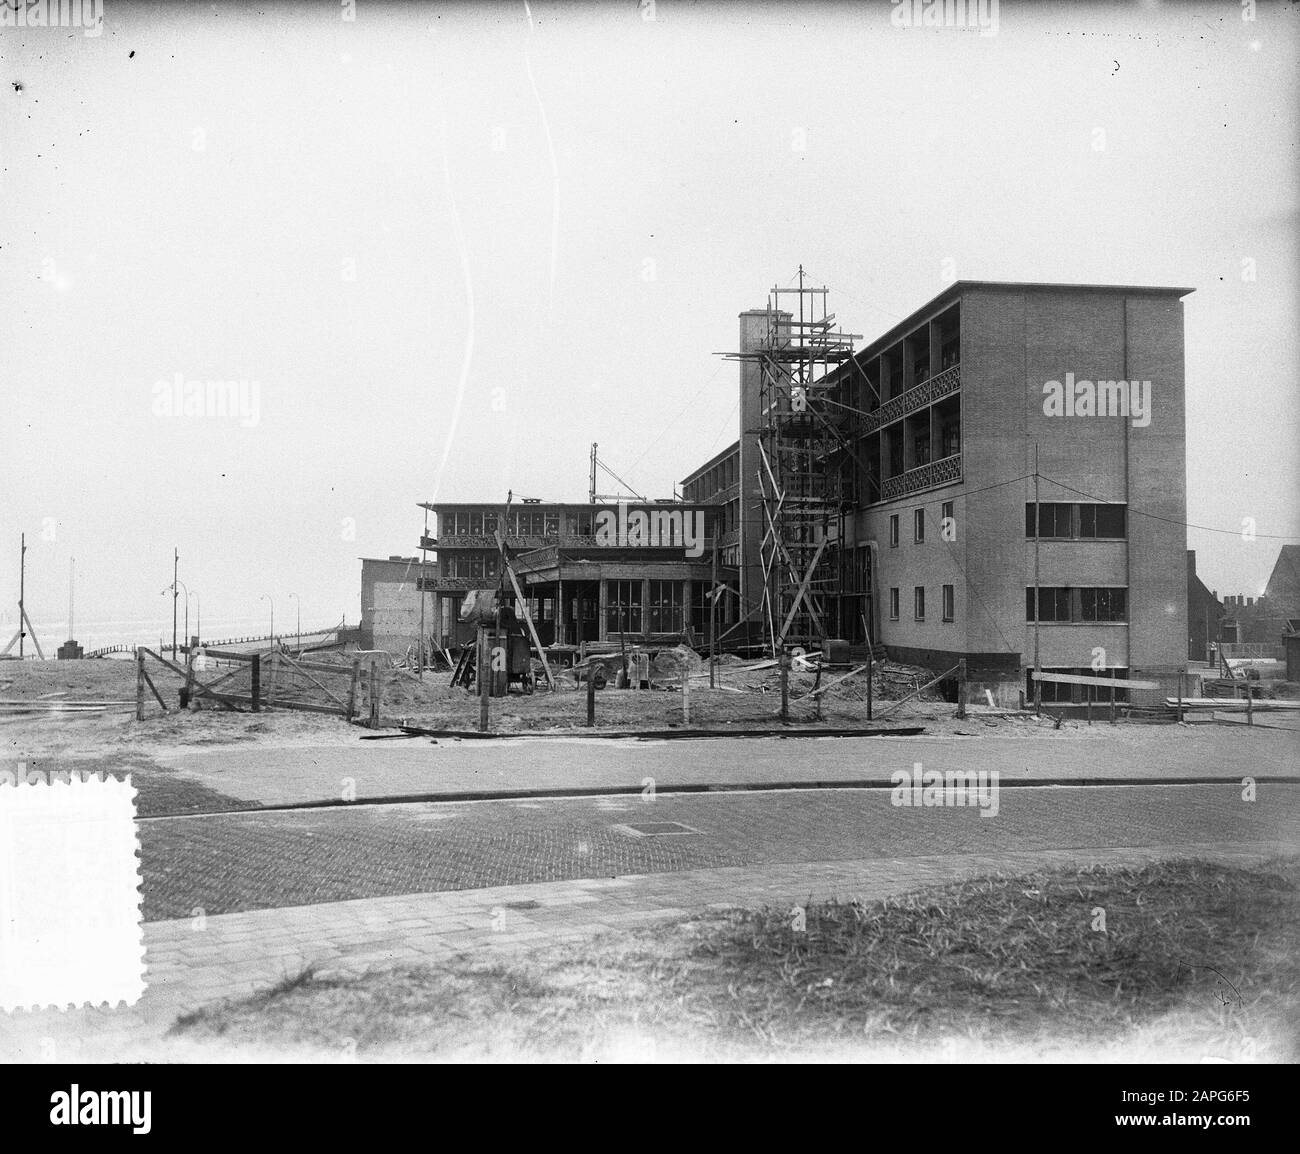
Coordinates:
1204	612
1263	620
1283	588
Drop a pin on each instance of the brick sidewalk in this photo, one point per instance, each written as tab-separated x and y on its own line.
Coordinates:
233	955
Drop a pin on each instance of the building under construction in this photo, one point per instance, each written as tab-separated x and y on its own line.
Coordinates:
999	478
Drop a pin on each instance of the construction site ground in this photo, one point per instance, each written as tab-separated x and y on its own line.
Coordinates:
284	757
747	697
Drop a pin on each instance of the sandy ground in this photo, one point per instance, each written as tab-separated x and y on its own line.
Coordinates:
747	699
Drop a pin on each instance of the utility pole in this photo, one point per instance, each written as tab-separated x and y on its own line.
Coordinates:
176	565
1038	534
22	589
713	613
419	584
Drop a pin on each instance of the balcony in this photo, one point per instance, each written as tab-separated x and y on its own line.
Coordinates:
453	584
941	472
480	541
896	408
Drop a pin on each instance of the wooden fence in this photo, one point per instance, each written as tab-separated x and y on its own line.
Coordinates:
260	681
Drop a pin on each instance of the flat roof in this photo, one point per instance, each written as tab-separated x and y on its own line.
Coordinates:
734	447
394	560
497	506
954	290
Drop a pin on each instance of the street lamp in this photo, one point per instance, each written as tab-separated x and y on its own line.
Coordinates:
172	591
268	597
299	601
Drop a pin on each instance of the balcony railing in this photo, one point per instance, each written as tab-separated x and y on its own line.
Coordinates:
485	541
538	559
926	393
941	472
453	584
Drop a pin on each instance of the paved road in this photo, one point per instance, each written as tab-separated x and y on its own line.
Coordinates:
238	862
254	774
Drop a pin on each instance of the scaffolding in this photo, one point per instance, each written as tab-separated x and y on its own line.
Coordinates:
808	466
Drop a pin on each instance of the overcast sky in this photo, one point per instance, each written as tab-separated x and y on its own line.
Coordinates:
454	245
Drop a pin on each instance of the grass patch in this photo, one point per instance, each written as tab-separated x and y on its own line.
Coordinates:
1196	959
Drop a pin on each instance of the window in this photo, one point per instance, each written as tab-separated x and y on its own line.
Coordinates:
918	598
473	567
946	511
1105	521
893	530
1066	521
950	435
893	604
1064	605
918	525
1053	604
578	524
665	606
894	361
949	603
622	607
894	439
1103	604
700	608
1054	519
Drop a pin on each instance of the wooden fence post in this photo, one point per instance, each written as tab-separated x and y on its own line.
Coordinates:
139	685
1180	697
961	687
374	695
591	695
785	685
686	693
1250	712
352	689
257	682
484	679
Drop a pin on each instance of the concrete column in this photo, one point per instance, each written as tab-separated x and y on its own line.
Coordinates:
754	324
559	609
